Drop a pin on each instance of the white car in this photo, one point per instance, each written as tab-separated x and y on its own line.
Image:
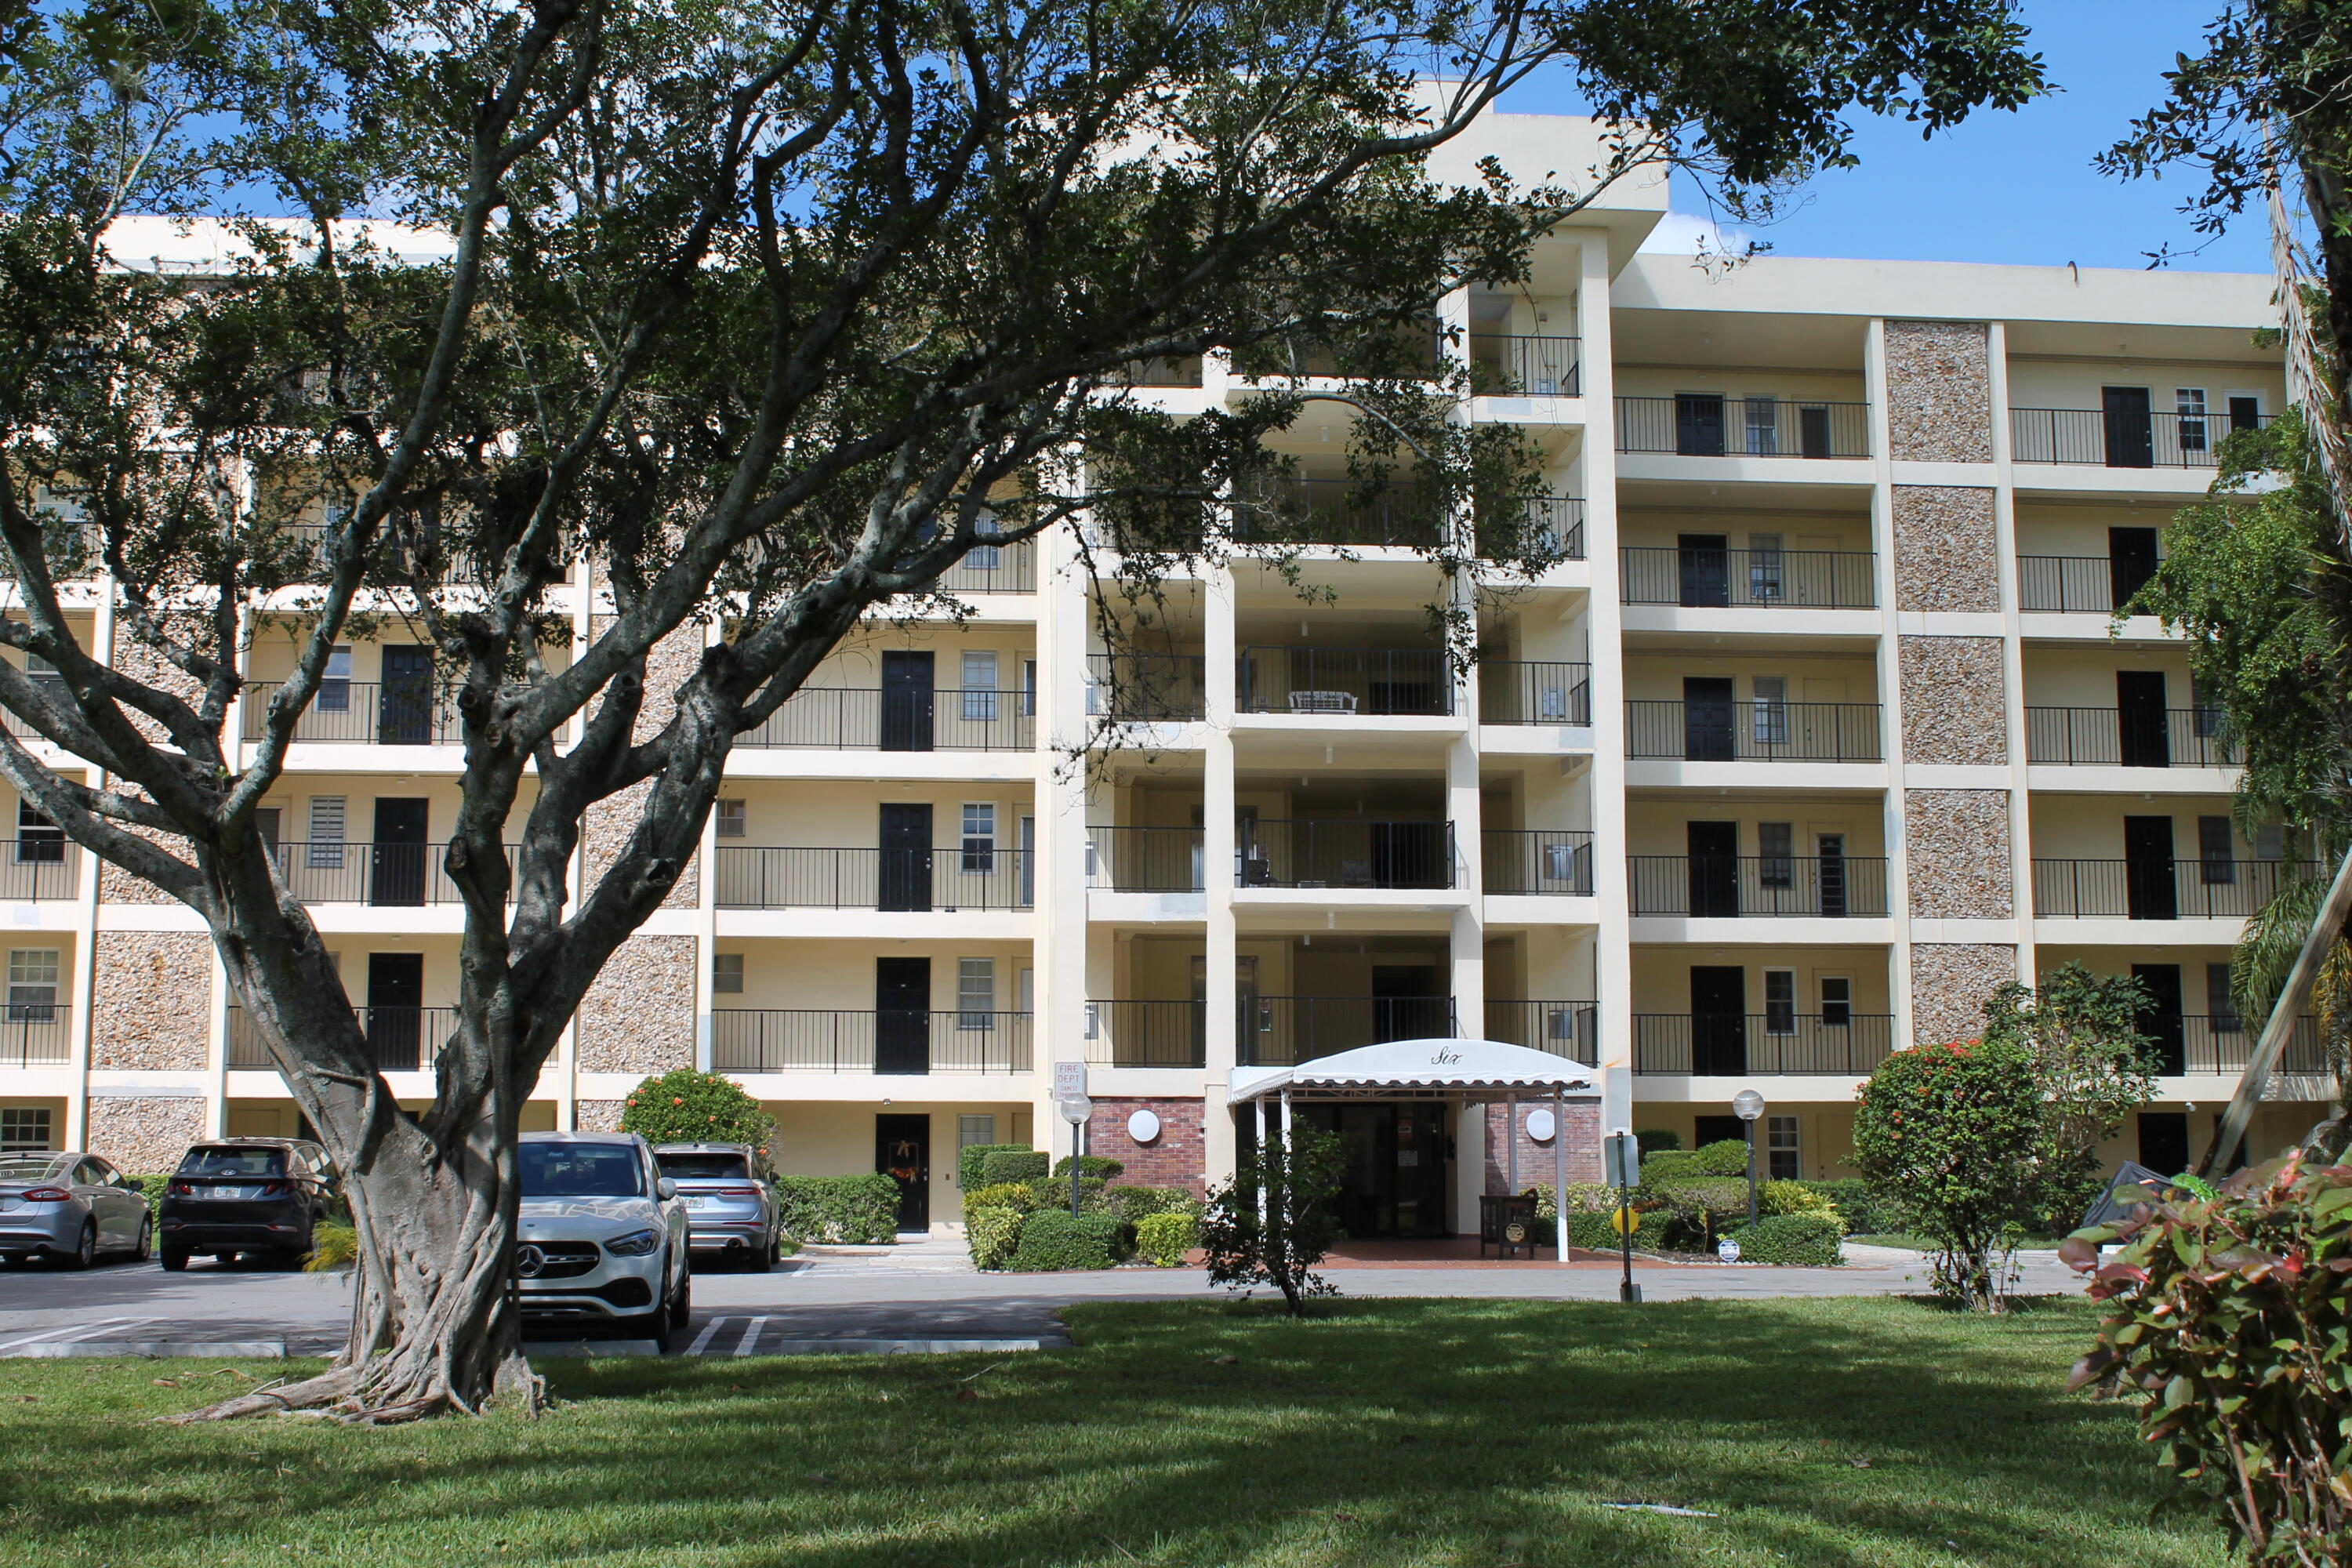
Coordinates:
602	1239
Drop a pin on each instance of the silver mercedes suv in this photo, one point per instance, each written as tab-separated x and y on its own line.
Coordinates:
602	1238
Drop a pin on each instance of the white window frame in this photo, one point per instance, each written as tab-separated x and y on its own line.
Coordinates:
32	979
325	851
1768	703
20	1124
1829	1005
978	673
971	975
727	973
2195	416
335	685
733	820
978	846
1784	1135
1789	977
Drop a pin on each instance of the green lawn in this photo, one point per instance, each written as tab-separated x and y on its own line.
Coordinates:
1852	1433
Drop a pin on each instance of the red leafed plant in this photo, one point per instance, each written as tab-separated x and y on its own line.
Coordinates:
2229	1320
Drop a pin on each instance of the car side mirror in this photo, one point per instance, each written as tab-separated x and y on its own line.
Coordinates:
664	1189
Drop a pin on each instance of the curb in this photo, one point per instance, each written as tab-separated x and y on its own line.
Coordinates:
152	1349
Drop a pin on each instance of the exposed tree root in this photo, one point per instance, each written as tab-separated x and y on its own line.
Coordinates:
373	1395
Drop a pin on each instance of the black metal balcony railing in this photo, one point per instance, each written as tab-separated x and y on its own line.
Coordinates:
1009	568
345	871
1546	528
1750	579
1147	1034
2110	737
901	880
2117	438
1345	853
394	713
1761	731
1734	1044
1534	691
875	1040
1711	426
399	1039
1718	887
34	869
1570	1030
1147	688
36	1034
1278	1031
899	719
1363	681
2076	584
1341	513
1520	860
1162	371
1503	364
2197	1043
1146	859
2158	890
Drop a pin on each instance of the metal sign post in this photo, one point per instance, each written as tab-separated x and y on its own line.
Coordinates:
1075	1112
1622	1155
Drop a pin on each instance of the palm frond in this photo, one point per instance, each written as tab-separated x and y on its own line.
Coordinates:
2271	942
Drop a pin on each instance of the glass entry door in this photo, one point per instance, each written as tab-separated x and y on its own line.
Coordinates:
1395	1183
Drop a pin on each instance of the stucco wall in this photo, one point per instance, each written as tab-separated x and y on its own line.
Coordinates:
1949	983
1946	556
1939	391
153	1004
639	1015
1959	856
1953	705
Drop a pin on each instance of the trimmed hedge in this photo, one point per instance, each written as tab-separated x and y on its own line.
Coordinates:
992	1234
1166	1237
1101	1167
968	1161
1865	1209
1014	1165
1594	1233
854	1211
1136	1205
1807	1239
1656	1140
1018	1196
1052	1239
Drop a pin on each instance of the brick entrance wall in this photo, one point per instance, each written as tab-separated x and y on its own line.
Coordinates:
1175	1159
1536	1161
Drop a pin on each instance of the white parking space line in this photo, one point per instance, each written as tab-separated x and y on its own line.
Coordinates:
702	1339
78	1331
751	1336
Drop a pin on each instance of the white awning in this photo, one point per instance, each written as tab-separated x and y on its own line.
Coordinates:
1447	1069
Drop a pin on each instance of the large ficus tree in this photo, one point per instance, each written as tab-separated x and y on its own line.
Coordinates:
768	309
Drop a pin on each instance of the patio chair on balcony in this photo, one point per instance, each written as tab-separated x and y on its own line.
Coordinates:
1322	702
1354	873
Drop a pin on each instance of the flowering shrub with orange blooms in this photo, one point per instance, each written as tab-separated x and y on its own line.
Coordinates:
1953	1132
690	1107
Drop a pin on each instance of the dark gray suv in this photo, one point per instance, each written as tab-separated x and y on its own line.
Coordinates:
730	1208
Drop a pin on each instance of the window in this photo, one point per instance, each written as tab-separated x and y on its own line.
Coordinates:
984	557
980	688
1837	1001
23	1127
973	1131
1028	687
979	837
1779	1001
326	852
731	822
2216	859
1767	581
2205	718
726	973
2245	411
1781	1160
1771	707
32	985
266	821
1763	428
335	687
2220	1005
975	993
1775	844
2270	841
2190	402
39	842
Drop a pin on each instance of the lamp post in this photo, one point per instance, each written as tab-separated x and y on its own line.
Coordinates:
1748	1105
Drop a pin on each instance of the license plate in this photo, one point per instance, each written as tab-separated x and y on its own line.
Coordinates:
698	1202
221	1192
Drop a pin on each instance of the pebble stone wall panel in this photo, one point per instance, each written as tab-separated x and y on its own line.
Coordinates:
1537	1160
145	1135
1959	864
1939	391
140	662
152	1011
598	1115
1954	707
1947	554
117	886
1177	1158
607	827
639	1015
1949	983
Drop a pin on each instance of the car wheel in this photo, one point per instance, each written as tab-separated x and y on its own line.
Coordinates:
85	1251
146	1242
173	1261
653	1325
681	1301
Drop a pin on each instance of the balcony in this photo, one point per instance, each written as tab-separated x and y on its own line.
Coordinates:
394	876
1147	1034
1147	688
1753	732
1280	1031
1732	1044
1346	853
36	1034
1534	691
2121	437
1570	1029
994	569
397	1038
895	881
1750	579
2078	585
1145	860
2159	890
899	719
2222	1045
876	1040
1728	887
37	871
1354	682
394	713
2112	737
1504	364
1705	426
1522	862
1162	371
1343	513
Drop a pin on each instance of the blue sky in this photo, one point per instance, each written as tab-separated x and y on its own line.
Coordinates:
2015	187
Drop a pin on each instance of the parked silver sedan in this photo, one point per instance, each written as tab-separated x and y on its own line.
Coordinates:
70	1207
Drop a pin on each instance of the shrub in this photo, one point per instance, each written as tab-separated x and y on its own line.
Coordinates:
1101	1167
152	1187
332	1246
993	1234
1166	1237
1728	1157
1866	1209
1053	1240
1018	1196
1135	1204
1655	1140
1594	1232
689	1106
844	1211
1697	1210
1798	1197
1014	1165
1299	1176
1583	1197
1808	1239
968	1159
2225	1319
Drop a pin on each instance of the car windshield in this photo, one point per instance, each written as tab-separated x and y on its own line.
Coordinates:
580	1171
701	1167
234	1163
25	1167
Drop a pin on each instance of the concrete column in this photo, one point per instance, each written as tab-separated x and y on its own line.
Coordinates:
1889	667
1217	849
1060	792
2012	653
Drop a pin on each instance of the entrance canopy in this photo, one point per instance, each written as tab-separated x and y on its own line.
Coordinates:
1471	1071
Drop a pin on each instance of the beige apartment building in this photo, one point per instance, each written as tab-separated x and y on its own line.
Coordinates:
1820	731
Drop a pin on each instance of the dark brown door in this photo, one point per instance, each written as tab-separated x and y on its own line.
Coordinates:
902	1015
395	1010
2164	1141
1714	869
906	869
2149	892
902	1151
2130	428
909	701
2159	1020
1707	719
2142	731
405	701
397	859
1719	1020
1706	562
2131	562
